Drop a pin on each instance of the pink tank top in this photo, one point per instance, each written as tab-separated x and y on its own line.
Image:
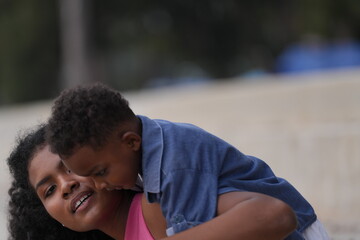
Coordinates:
136	228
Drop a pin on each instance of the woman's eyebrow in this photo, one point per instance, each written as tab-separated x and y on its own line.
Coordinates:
48	177
42	182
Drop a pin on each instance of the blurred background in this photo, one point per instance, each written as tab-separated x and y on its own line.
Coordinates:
278	79
47	46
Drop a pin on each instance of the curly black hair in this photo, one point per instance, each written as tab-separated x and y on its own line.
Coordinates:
28	219
86	115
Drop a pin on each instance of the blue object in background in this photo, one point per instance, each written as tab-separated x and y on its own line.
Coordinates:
313	54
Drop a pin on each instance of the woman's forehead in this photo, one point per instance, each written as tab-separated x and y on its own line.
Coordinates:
43	163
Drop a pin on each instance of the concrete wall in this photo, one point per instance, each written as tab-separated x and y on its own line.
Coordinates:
307	127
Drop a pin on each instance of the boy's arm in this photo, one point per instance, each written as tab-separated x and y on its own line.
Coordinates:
244	215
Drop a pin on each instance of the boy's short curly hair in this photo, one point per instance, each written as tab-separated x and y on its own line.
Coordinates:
28	218
86	115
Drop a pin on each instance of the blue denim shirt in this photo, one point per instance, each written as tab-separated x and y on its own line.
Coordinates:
185	169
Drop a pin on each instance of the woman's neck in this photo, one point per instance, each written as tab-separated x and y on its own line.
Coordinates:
115	225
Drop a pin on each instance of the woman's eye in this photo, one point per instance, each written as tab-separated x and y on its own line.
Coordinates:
50	190
100	173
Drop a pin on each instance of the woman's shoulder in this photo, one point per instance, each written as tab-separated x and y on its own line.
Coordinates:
153	217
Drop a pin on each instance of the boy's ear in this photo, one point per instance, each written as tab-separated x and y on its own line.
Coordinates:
132	139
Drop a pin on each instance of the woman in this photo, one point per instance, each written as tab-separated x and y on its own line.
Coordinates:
43	190
28	218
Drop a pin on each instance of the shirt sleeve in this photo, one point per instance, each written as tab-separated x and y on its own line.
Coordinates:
188	198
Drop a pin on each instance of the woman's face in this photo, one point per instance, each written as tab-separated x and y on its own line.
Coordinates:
70	199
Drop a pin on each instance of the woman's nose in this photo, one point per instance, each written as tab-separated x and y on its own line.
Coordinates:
68	186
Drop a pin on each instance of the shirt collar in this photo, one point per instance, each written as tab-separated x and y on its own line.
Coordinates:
152	150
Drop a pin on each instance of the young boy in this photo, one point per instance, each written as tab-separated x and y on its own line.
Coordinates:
182	167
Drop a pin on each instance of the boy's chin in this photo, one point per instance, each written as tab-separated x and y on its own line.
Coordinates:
115	188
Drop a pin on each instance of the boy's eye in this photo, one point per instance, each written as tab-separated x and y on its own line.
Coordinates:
100	173
50	191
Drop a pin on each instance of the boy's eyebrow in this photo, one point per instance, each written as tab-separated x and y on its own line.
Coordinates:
90	172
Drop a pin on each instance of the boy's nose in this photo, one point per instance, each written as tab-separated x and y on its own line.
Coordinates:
100	184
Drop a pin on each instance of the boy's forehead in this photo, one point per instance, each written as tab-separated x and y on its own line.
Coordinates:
82	161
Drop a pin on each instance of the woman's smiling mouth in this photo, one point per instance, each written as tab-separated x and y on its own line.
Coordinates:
79	200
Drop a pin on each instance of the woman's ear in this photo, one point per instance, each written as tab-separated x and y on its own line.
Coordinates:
132	139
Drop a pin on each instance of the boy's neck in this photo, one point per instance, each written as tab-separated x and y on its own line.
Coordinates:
139	126
139	131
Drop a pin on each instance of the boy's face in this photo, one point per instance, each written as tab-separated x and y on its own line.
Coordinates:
115	165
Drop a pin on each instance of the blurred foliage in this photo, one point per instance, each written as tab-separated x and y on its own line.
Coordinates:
137	44
28	50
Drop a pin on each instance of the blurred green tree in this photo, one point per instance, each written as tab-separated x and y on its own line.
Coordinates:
29	50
